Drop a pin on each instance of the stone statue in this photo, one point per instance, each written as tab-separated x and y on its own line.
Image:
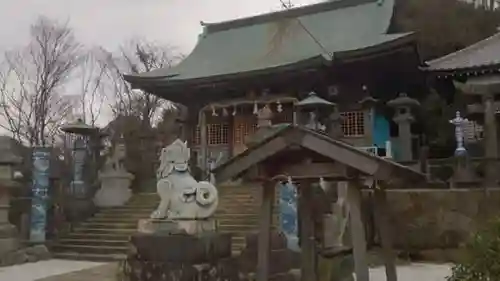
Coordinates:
459	124
182	197
115	180
264	117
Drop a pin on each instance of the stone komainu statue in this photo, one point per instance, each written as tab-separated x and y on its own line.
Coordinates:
182	197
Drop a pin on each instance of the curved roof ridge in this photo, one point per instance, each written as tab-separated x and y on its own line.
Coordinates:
471	48
284	14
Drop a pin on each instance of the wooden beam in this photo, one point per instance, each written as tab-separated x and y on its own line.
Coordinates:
265	221
358	236
344	155
383	227
307	238
251	158
315	170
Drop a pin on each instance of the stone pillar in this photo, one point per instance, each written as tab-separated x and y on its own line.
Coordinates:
404	118
368	104
334	124
491	142
9	241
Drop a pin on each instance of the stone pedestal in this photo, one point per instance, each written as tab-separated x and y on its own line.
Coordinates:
115	189
464	175
191	227
177	257
9	241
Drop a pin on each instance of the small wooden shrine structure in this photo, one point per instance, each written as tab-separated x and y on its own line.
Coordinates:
304	156
475	70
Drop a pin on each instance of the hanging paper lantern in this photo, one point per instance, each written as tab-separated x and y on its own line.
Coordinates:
255	108
279	106
224	112
214	113
234	110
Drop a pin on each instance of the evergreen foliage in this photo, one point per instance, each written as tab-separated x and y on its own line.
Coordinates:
482	256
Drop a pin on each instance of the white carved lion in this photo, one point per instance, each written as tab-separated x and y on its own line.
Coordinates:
182	197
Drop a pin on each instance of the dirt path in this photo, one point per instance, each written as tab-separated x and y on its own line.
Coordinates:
105	272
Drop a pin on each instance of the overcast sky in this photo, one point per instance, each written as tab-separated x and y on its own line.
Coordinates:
110	22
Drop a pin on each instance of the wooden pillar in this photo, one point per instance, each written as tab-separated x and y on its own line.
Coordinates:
265	221
383	227
358	236
307	237
203	142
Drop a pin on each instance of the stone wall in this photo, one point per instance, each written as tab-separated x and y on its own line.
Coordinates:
437	219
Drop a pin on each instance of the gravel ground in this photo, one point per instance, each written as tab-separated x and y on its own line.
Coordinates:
414	272
42	269
59	270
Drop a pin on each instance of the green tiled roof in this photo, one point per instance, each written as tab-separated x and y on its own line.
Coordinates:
314	34
485	53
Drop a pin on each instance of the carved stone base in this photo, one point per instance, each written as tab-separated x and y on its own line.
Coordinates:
190	227
177	257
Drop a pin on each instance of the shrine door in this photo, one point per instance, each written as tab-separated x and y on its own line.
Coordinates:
243	125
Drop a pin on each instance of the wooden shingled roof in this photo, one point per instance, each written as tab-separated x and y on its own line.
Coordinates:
296	136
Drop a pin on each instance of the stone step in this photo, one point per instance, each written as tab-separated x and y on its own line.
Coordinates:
238	204
233	221
89	257
115	225
93	242
117	215
98	236
238	216
118	219
230	211
121	231
125	209
237	228
90	249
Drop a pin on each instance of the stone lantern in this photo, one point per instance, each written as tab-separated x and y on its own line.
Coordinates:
83	136
319	114
8	233
403	106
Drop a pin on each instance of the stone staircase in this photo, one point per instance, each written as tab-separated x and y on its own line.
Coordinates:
104	237
238	212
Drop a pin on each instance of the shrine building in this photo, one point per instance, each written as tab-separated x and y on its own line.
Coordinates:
342	51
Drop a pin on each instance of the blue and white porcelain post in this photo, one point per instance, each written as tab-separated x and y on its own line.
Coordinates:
288	213
459	124
40	192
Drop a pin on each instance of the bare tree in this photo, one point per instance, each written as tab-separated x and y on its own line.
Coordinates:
135	57
32	82
90	97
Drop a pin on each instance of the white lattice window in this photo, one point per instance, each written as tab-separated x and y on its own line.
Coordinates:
217	134
196	136
242	130
353	123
